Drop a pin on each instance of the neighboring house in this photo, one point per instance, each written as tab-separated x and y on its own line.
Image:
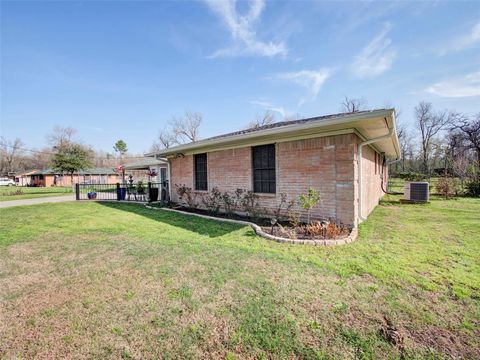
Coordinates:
343	156
51	177
140	169
24	178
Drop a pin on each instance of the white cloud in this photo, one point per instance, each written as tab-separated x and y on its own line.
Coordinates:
269	106
309	79
375	58
465	86
241	28
464	41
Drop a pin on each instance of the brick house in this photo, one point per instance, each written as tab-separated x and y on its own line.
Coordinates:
343	156
51	177
24	178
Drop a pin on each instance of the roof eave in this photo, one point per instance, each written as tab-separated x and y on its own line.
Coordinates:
344	119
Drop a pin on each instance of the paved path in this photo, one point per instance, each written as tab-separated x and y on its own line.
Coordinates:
52	199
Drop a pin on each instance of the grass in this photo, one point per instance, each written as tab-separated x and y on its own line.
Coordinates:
19	192
122	281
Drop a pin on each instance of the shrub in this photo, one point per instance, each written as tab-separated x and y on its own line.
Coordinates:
283	208
293	217
411	176
315	228
228	204
327	229
186	194
237	198
473	188
309	200
447	187
212	201
249	203
13	193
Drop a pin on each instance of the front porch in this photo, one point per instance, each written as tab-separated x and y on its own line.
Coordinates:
139	192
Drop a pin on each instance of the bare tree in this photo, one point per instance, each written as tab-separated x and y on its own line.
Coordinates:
470	128
405	140
460	167
187	128
61	136
39	160
166	139
261	120
11	152
430	123
351	105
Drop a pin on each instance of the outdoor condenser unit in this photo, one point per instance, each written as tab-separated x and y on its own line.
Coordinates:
416	191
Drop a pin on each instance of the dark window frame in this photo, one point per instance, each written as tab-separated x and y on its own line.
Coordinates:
200	172
264	164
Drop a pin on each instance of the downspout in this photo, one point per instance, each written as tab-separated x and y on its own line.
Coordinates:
360	155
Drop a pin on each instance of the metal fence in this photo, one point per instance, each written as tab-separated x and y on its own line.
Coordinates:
140	192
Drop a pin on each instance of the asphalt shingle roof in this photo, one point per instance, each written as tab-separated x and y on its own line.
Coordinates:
92	171
286	123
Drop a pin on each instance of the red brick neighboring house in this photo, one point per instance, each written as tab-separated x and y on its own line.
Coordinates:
51	177
24	178
343	156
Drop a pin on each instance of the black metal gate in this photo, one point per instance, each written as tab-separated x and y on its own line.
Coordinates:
139	192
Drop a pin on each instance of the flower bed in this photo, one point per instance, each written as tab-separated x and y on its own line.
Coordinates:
317	230
259	230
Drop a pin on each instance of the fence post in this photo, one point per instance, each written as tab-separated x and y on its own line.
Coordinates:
118	191
149	191
77	191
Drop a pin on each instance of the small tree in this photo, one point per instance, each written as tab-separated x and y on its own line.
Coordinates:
120	147
309	200
266	119
72	157
352	105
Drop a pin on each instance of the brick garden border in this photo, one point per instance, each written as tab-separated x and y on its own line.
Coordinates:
258	230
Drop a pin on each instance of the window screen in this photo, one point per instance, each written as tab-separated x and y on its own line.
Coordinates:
264	169
201	172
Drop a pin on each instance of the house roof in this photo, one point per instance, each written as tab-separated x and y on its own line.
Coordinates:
144	164
26	173
366	124
91	171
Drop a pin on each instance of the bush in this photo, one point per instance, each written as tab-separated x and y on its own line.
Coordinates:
411	176
283	208
473	188
447	187
327	229
186	194
249	202
293	217
212	201
228	204
309	200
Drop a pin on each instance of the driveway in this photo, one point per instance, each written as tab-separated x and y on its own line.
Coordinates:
53	199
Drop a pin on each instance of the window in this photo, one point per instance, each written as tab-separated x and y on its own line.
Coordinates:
264	169
201	172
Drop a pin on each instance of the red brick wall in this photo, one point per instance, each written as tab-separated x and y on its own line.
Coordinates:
372	172
326	164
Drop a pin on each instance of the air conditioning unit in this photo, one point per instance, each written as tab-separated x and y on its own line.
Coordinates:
416	191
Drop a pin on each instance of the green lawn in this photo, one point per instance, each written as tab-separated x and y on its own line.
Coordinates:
20	192
90	280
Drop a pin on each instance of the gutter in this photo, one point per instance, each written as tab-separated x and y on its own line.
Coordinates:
360	156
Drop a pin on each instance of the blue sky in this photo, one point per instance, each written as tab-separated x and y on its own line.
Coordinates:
119	69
